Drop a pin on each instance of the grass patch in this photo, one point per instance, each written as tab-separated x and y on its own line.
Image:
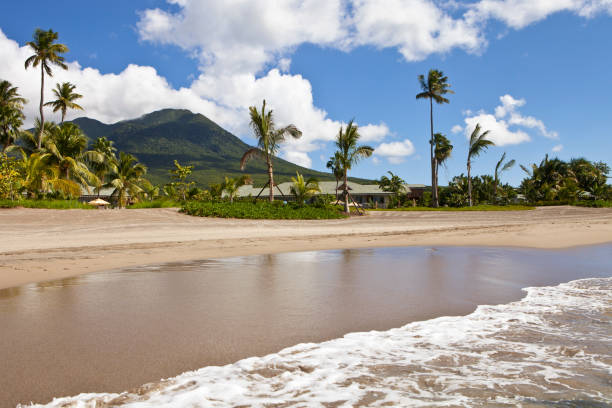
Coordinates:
595	204
261	210
156	204
484	207
49	204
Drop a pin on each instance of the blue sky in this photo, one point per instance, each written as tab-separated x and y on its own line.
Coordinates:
336	61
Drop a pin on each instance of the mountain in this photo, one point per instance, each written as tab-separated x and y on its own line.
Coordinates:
159	138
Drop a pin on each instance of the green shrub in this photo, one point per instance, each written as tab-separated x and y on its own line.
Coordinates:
595	204
156	204
260	210
50	204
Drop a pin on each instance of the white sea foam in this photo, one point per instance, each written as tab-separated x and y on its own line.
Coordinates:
553	345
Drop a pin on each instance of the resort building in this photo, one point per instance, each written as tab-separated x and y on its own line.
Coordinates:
366	195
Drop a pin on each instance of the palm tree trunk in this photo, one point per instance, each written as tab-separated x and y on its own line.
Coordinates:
42	97
63	116
271	178
469	168
346	194
434	181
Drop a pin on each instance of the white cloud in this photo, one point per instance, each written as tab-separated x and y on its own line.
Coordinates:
557	148
373	133
507	126
299	158
457	129
395	152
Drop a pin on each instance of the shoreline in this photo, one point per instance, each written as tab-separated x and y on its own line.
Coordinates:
55	244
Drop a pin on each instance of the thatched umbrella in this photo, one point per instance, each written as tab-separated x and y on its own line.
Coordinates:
98	202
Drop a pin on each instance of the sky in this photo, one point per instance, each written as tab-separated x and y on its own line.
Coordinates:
535	73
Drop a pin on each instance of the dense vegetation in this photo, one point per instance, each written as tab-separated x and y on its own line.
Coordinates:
261	210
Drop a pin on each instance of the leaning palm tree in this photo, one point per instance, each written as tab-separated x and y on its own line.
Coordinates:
231	185
268	140
442	151
46	53
349	153
126	178
65	99
434	88
303	189
500	167
334	165
478	144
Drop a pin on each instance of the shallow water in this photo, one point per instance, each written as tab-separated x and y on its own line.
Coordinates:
116	330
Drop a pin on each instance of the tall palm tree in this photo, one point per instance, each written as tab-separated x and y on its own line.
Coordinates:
268	140
101	168
500	167
303	189
46	53
231	185
333	164
66	146
349	153
442	151
434	88
65	99
126	178
11	115
478	144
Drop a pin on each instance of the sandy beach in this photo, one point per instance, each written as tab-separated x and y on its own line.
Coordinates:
41	245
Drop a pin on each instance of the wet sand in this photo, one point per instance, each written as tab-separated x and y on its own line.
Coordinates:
40	245
112	331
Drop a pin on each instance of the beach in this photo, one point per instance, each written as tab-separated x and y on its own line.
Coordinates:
40	245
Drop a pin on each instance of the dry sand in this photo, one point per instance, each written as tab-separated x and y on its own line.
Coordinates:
39	245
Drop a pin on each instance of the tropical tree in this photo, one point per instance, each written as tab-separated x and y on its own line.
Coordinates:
65	99
333	164
181	173
46	53
126	178
500	167
231	185
393	184
104	163
11	115
216	191
434	87
66	146
442	151
349	153
303	189
478	144
9	177
268	140
40	177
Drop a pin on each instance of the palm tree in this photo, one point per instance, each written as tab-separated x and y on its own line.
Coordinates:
11	115
268	140
46	53
303	189
126	178
478	144
40	176
101	168
349	153
65	99
442	151
499	169
231	185
393	184
434	89
334	165
66	147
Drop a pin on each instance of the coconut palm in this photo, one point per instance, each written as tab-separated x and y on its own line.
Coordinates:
478	144
334	165
393	184
65	99
126	178
349	153
500	167
434	88
303	189
46	53
268	140
11	115
103	164
442	151
40	176
231	185
66	146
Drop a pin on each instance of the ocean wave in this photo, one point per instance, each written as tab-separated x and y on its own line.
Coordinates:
552	347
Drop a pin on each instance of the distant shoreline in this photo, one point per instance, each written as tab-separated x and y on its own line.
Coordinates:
42	245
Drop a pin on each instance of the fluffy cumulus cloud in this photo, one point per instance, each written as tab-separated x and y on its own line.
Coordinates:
557	148
507	126
395	152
